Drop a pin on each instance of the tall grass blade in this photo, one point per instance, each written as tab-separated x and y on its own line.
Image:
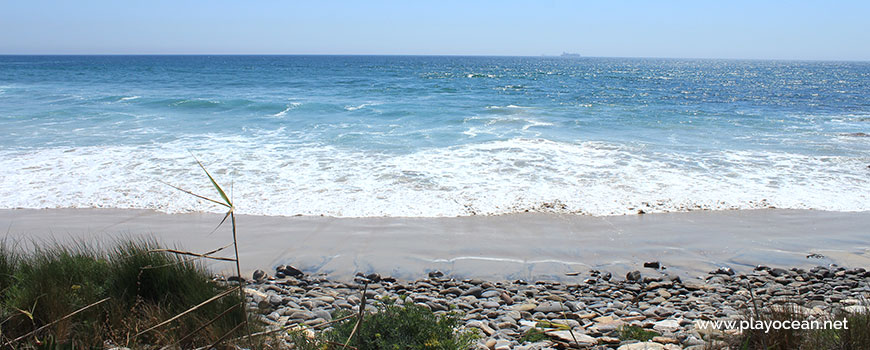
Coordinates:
230	213
213	182
56	321
212	346
359	320
193	194
185	261
239	270
227	335
571	330
181	252
161	324
221	223
341	345
282	329
201	327
25	313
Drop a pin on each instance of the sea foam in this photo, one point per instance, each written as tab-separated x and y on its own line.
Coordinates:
290	107
490	178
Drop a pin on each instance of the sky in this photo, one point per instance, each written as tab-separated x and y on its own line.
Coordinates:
810	30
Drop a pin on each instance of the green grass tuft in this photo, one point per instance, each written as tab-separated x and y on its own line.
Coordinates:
406	326
635	333
8	266
534	335
394	326
144	288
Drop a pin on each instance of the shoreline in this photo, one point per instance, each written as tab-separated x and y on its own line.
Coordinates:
527	246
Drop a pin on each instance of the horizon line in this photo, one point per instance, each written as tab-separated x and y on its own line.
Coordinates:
434	55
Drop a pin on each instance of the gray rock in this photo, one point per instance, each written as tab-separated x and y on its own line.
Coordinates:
551	307
302	315
506	298
723	271
569	337
452	290
482	326
489	294
475	291
652	265
323	314
502	344
314	322
777	272
290	271
489	305
437	306
664	311
642	346
666	326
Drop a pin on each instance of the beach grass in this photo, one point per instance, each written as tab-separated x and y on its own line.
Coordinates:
629	332
392	325
855	336
113	295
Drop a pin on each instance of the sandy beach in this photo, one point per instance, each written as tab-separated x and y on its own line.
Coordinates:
519	246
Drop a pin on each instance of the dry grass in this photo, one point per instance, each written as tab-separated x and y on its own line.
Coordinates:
855	337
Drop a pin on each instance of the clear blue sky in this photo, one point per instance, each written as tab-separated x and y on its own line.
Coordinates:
829	30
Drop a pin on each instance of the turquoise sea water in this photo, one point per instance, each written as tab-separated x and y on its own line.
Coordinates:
434	136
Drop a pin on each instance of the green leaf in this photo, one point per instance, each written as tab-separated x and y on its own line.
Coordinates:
213	182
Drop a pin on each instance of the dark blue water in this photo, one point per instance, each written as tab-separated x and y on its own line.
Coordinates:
433	136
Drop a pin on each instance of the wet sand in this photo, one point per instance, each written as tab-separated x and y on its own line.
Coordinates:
518	246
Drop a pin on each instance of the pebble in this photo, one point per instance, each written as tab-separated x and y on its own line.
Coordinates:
525	307
569	337
489	305
642	346
503	311
506	298
475	291
302	315
666	326
551	307
652	265
323	314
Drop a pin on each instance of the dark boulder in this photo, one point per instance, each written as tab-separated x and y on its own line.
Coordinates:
259	275
652	265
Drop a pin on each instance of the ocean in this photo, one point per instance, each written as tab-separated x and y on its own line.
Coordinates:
417	136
